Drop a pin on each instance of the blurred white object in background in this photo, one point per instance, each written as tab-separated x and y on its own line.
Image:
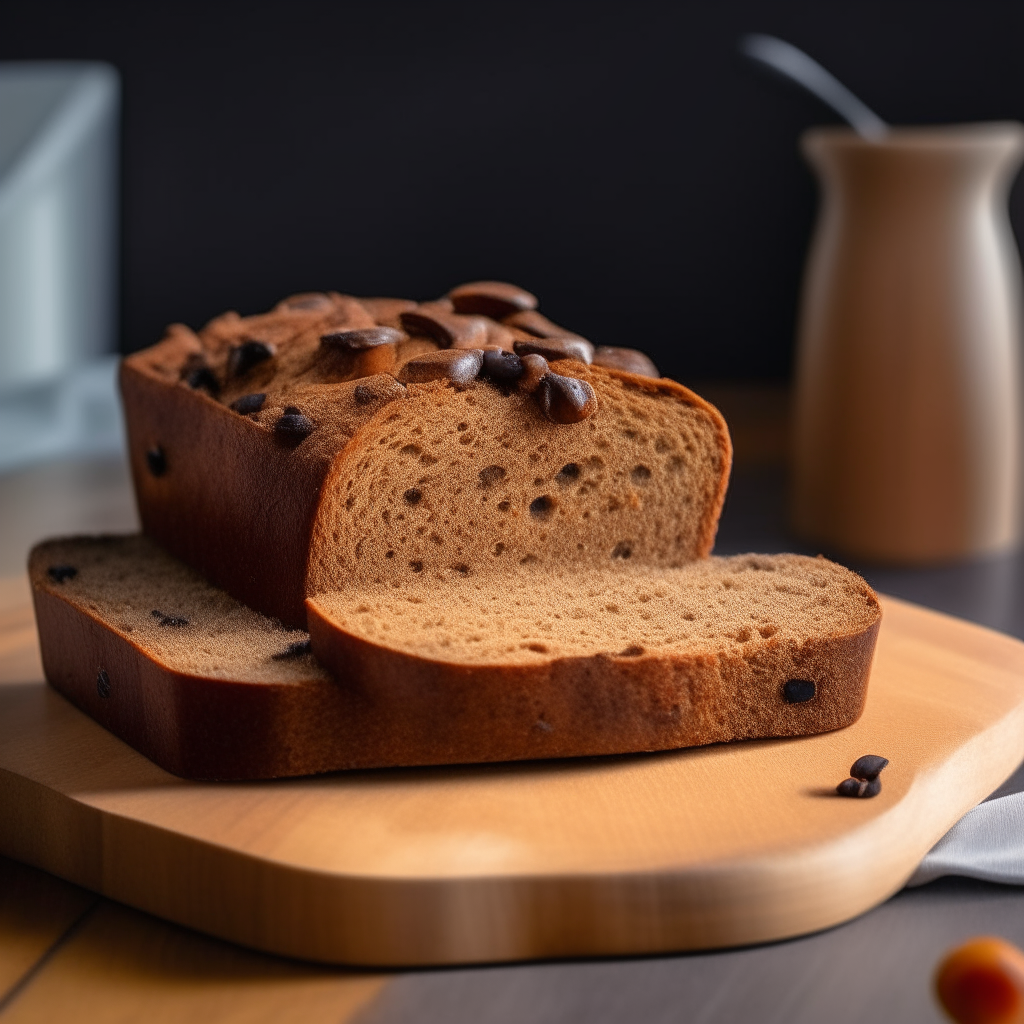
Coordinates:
58	218
75	415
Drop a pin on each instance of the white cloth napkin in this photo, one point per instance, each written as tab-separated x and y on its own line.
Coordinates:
986	843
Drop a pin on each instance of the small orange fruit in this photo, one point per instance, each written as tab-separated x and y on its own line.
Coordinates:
982	982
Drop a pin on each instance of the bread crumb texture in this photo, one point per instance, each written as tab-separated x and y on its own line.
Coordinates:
752	607
465	481
170	612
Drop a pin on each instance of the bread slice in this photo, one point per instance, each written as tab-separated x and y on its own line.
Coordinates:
443	667
280	463
627	657
184	673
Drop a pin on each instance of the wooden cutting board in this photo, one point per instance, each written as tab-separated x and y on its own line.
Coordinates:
693	849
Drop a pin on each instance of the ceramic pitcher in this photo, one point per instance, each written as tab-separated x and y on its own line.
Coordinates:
907	409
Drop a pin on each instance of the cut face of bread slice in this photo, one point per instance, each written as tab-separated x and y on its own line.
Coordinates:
475	480
208	688
533	663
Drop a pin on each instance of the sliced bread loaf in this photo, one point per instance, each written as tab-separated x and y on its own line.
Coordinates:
443	668
496	535
285	454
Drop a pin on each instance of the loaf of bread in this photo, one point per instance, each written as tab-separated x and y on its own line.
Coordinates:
532	663
282	455
496	535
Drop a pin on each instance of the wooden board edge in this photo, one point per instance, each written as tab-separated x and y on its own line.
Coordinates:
379	922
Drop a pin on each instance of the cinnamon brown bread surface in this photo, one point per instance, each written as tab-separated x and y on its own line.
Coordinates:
447	669
281	454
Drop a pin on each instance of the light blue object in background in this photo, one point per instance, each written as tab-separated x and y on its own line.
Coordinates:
76	415
58	218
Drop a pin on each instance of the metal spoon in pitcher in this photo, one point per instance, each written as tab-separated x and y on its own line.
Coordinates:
795	65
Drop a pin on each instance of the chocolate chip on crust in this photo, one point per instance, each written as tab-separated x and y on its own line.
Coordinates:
566	399
198	376
61	573
293	427
156	460
460	366
103	683
449	329
502	367
242	358
295	650
557	348
630	360
248	404
534	369
496	299
359	341
169	620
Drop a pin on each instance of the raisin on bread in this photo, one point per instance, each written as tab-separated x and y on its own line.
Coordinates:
447	668
286	454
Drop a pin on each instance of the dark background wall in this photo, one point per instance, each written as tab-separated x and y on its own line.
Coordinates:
620	159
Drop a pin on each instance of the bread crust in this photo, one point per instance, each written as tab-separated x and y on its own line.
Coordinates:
194	726
233	504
